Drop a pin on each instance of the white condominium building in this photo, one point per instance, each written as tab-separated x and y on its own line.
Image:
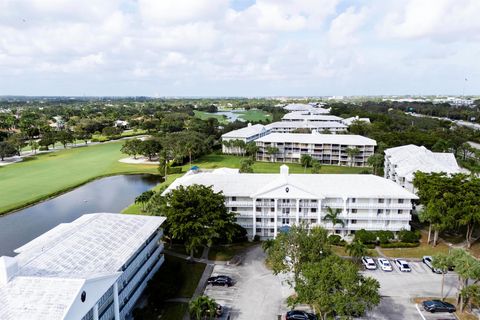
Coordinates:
402	162
95	267
320	126
306	107
349	121
247	134
268	203
326	148
309	116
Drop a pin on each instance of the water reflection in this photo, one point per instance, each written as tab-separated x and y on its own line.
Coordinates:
110	194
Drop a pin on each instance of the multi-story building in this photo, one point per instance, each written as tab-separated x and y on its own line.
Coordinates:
93	268
247	134
267	203
320	126
309	116
326	148
402	162
306	107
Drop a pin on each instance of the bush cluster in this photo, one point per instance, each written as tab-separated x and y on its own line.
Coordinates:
386	239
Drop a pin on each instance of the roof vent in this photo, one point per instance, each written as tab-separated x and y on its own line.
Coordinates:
249	124
8	268
284	170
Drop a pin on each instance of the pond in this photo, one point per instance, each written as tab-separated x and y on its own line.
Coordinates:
111	194
232	115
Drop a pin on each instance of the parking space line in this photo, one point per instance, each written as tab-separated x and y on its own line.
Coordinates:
421	314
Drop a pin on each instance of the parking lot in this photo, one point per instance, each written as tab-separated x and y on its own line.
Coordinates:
256	294
399	288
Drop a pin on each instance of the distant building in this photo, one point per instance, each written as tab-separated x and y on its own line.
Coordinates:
247	134
326	148
309	116
320	126
268	203
402	162
348	121
58	124
95	267
312	108
121	124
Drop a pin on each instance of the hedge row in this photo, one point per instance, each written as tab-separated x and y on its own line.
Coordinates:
400	245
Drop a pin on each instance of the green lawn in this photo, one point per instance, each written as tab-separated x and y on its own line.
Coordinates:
45	175
255	115
226	252
206	115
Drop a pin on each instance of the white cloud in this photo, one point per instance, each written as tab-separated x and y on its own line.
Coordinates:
344	27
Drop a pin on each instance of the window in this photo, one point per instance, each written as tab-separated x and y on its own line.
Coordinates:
272	219
313	210
259	230
272	230
234	198
286	210
400	200
379	211
272	209
381	200
353	200
313	220
259	209
234	208
387	211
258	219
285	221
353	221
299	209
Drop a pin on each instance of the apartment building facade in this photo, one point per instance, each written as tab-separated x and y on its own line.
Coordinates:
95	267
325	148
266	204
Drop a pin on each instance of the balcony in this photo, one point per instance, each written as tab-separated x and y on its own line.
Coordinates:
239	203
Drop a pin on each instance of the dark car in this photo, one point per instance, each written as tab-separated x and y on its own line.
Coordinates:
438	306
300	315
220	281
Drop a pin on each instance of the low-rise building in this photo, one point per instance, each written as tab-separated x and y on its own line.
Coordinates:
267	203
326	148
314	109
348	121
247	134
402	162
319	126
95	267
309	116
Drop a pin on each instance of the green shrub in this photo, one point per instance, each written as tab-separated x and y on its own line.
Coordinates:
409	236
43	148
256	238
334	239
174	170
370	245
366	236
385	236
400	245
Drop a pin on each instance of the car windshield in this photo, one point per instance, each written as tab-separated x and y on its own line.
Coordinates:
405	265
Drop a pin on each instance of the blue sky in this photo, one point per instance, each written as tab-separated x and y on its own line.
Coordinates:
239	47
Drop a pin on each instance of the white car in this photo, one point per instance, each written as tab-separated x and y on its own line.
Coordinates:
402	265
369	263
384	264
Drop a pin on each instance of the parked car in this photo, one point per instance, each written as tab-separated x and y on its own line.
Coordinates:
438	306
220	281
402	265
384	264
369	263
428	261
300	315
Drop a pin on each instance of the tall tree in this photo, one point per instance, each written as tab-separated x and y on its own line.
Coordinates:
202	308
6	150
195	215
272	151
334	286
144	197
246	166
333	216
442	262
132	147
352	153
376	161
356	250
306	161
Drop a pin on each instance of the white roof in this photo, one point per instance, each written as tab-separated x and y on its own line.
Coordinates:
246	132
411	158
53	268
304	186
305	115
306	124
306	107
317	138
349	121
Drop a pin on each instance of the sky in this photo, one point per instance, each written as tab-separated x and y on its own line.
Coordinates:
239	47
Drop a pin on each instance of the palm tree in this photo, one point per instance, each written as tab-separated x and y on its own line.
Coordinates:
202	308
442	262
227	144
356	250
144	197
332	216
306	161
352	152
272	151
376	161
